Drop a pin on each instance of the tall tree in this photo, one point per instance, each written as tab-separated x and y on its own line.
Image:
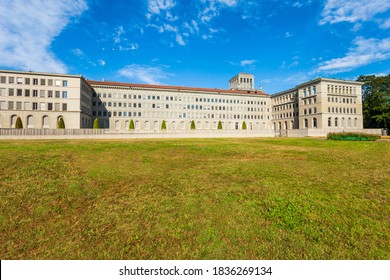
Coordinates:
376	101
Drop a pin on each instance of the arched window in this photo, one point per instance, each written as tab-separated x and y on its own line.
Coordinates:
355	122
342	122
315	122
13	120
329	122
30	122
45	122
173	125
280	125
1	121
285	125
306	123
147	125
198	125
117	125
236	126
336	122
156	125
349	122
182	125
292	125
127	124
137	124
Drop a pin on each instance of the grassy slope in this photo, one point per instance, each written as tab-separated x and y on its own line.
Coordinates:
194	199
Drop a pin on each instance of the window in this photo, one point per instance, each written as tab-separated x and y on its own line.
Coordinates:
10	105
50	82
336	120
3	92
19	92
35	106
64	94
19	81
11	92
58	83
42	94
43	82
50	93
3	79
42	106
65	83
57	94
64	107
35	93
3	105
306	123
50	106
11	80
35	82
27	93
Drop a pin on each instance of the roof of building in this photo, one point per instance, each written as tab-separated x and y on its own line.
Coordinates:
176	88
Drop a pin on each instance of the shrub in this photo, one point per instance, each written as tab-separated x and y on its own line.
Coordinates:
96	123
244	125
131	125
164	125
192	124
61	123
352	136
219	125
18	123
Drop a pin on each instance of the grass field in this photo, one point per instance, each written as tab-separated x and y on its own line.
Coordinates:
195	199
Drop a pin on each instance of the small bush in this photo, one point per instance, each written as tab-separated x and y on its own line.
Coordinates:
192	124
244	125
18	123
164	125
352	136
131	125
96	123
61	123
219	125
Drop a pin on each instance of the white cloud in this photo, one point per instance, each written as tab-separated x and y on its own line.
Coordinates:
78	52
27	29
352	10
118	34
364	52
288	34
297	5
385	24
156	6
247	62
144	73
101	62
179	40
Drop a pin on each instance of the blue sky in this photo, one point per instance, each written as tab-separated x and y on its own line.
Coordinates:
200	43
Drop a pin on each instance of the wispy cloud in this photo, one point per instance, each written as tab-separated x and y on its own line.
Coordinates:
121	42
144	73
29	26
250	62
101	62
364	52
352	10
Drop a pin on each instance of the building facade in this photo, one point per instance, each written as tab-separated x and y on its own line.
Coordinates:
41	99
320	103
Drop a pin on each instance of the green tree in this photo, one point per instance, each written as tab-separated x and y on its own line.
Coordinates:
18	123
192	124
164	125
131	125
61	123
376	101
96	123
219	125
244	125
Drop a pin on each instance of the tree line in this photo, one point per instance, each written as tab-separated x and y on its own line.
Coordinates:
376	101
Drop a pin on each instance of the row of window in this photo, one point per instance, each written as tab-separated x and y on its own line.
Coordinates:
310	111
285	107
342	110
179	99
285	98
33	81
342	100
341	89
309	101
33	93
176	115
312	90
335	122
42	106
285	115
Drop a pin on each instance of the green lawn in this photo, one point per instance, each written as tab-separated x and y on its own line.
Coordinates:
195	199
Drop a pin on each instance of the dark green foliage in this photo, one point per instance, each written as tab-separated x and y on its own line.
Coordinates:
244	125
61	123
96	123
18	123
131	125
352	136
376	101
164	125
192	124
219	125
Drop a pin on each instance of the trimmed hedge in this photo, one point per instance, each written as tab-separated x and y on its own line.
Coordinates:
61	123
96	123
244	125
18	123
131	125
352	136
193	125
219	125
164	125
